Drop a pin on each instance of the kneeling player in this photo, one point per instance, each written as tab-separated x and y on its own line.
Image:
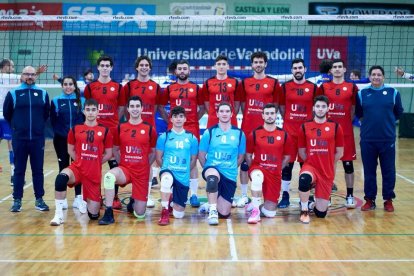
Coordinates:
222	149
176	155
134	147
267	154
321	145
89	145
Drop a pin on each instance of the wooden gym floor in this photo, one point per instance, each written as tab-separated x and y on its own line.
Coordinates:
347	242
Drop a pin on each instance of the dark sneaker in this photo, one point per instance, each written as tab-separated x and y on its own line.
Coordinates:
369	205
130	205
334	188
154	181
41	205
284	203
388	205
17	206
108	217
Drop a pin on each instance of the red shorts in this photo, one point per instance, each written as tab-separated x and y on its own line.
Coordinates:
271	183
349	148
293	149
91	189
323	185
139	180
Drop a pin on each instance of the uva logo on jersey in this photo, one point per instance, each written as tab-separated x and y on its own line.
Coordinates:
133	149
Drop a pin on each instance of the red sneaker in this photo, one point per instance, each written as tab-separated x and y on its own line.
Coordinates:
165	217
369	205
117	204
388	205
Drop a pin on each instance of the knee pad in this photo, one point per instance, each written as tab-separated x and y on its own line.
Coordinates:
267	213
166	182
61	182
109	181
319	214
112	164
220	215
212	184
178	214
348	167
93	216
287	172
244	167
11	157
257	180
305	182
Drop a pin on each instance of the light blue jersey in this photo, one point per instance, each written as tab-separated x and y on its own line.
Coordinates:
178	149
223	149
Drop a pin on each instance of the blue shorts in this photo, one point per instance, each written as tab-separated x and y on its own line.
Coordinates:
226	187
5	130
180	191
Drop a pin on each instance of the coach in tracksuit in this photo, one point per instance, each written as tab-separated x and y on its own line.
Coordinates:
26	108
379	107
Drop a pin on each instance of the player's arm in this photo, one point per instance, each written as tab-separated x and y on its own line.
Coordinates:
151	156
302	153
282	109
339	152
193	161
107	155
71	152
207	106
242	149
202	157
158	157
236	107
117	153
201	111
163	113
121	111
41	69
242	106
249	159
240	159
285	161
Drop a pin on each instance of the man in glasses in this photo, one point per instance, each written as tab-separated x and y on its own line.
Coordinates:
26	109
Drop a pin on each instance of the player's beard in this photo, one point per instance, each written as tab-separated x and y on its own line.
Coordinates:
270	122
298	76
320	116
183	77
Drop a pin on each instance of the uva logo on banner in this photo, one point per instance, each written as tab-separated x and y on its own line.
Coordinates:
116	10
327	48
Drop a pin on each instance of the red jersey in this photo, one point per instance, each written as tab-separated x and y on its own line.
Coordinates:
298	102
149	92
90	144
256	93
268	148
216	91
188	96
135	143
321	141
342	98
108	96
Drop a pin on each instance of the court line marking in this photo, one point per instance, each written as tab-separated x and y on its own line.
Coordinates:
26	186
212	261
213	235
405	178
232	242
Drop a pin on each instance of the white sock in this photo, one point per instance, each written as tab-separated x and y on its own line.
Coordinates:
285	185
256	201
194	186
213	207
304	206
244	188
59	204
155	171
164	204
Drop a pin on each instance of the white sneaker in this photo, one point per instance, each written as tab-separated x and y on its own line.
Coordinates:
234	203
248	208
254	216
82	205
204	209
150	203
57	219
350	202
65	204
242	201
213	217
330	202
75	203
